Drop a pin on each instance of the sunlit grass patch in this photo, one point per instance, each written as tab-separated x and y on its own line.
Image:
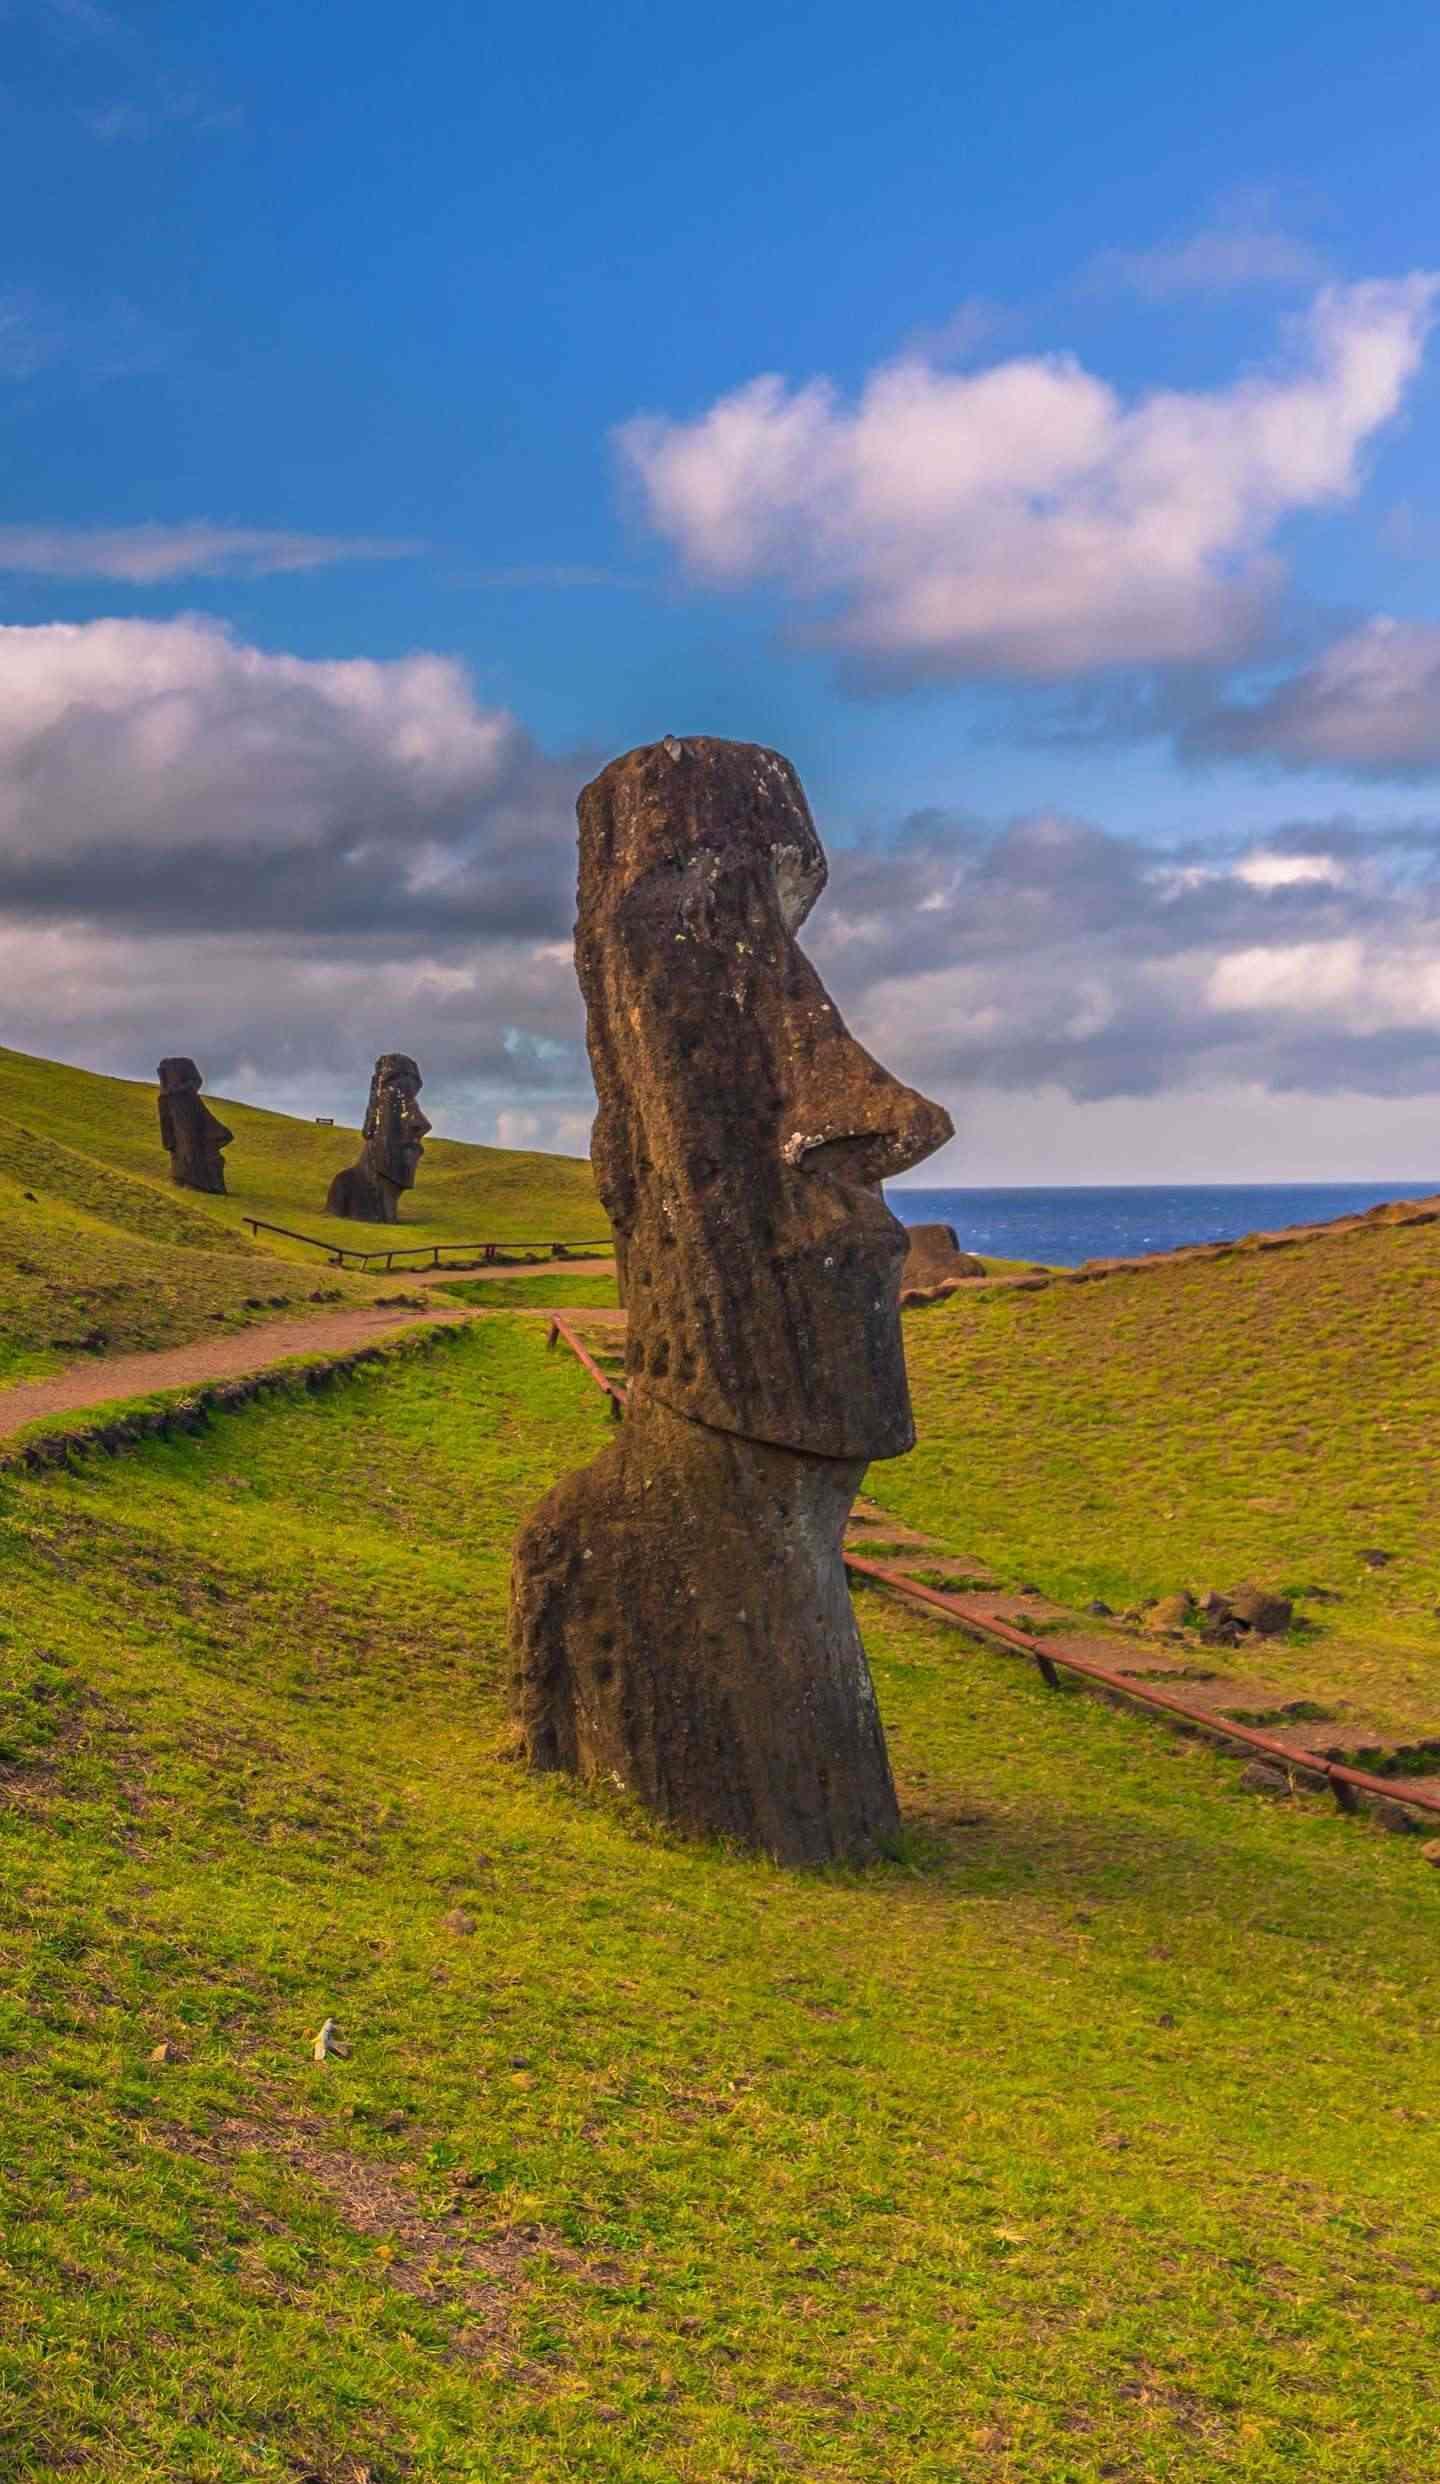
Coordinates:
1095	2138
1267	1416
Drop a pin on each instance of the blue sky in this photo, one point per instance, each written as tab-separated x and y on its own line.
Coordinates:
1029	425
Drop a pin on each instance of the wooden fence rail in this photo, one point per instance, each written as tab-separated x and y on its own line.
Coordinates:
480	1254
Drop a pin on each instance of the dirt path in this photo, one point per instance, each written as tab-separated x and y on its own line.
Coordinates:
102	1377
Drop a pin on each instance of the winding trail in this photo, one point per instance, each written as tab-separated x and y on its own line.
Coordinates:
103	1377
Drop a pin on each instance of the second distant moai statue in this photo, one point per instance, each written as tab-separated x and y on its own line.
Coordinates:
191	1134
394	1131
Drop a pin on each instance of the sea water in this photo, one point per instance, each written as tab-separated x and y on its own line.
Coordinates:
1062	1227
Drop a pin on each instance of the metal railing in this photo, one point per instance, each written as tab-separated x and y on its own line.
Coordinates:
428	1254
1051	1659
1347	1784
560	1333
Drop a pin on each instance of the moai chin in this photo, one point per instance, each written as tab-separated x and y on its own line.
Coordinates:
393	1131
681	1622
192	1135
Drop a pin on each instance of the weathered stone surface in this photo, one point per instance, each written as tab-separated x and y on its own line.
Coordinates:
191	1134
681	1621
685	1627
393	1131
933	1257
1264	1777
1169	1613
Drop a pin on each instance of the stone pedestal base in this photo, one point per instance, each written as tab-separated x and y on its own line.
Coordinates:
682	1627
359	1193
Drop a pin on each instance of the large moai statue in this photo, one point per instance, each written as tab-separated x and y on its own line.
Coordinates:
393	1130
681	1622
189	1131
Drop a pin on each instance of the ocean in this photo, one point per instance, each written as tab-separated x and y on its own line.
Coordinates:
1062	1227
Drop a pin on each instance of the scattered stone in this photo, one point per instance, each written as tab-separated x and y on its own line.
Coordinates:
1263	1777
1101	1610
1261	1610
1430	1852
164	2051
1169	1613
328	2042
680	1617
1375	1558
1214	1606
1394	1816
458	1922
393	1130
189	1132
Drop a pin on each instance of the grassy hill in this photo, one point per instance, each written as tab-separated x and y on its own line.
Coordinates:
106	1248
1267	1416
1095	2138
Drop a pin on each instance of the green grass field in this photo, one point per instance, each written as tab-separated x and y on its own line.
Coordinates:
106	1252
1095	2138
1270	1416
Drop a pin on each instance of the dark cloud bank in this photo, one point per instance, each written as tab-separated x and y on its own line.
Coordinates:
285	867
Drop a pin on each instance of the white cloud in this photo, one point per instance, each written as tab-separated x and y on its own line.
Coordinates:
283	866
1024	519
1371	702
1358	987
149	555
173	733
1262	870
1046	955
1234	254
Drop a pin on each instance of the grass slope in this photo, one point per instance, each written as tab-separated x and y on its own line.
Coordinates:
1267	1416
93	1261
1096	2138
104	1247
280	1169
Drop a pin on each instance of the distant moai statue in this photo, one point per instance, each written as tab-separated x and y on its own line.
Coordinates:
393	1131
189	1131
933	1257
680	1618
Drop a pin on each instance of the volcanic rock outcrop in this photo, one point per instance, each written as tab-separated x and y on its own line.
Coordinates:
394	1129
681	1622
192	1135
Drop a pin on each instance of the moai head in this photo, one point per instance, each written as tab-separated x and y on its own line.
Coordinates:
189	1131
394	1125
743	1134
